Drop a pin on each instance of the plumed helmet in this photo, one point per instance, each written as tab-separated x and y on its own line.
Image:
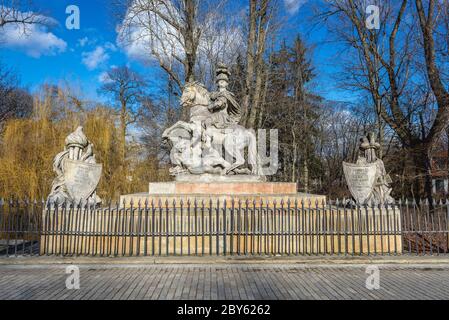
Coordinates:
222	72
77	139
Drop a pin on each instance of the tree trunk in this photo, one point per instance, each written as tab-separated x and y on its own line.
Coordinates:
423	169
380	128
250	56
447	146
295	155
191	45
123	134
306	173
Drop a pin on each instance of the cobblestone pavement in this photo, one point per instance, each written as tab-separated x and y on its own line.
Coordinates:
227	282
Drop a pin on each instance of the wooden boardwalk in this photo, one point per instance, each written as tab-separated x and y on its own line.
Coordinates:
227	282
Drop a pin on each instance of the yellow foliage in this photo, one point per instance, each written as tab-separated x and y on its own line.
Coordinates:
28	146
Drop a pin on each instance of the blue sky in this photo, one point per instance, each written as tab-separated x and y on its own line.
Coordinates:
82	56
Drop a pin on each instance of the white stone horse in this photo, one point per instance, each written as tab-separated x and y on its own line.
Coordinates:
235	139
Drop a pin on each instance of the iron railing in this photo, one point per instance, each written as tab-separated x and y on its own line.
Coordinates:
246	228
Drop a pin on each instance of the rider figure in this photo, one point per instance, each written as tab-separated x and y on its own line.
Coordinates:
224	107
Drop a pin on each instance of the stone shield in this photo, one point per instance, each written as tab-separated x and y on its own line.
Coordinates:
361	179
81	178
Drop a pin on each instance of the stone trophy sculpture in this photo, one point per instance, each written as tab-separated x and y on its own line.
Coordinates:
368	180
77	172
197	146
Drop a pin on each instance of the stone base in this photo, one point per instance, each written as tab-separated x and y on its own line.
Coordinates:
209	178
222	188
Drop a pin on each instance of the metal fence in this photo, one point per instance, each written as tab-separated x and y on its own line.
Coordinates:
223	228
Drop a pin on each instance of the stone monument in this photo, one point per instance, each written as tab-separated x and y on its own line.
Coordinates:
213	156
77	172
211	146
367	179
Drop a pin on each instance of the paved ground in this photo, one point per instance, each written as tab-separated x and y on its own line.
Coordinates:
224	281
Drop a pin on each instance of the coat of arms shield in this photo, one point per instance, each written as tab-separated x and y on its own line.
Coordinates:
361	179
81	178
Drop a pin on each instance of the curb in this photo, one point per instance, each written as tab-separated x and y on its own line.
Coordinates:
396	260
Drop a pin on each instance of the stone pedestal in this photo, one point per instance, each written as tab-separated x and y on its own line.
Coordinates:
269	193
222	188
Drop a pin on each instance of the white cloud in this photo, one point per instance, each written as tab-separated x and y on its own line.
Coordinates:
293	6
104	77
93	59
110	46
83	41
35	42
221	37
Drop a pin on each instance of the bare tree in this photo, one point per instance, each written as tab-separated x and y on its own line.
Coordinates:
260	24
186	37
171	29
387	59
127	88
14	101
18	12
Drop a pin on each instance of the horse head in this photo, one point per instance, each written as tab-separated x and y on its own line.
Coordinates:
195	94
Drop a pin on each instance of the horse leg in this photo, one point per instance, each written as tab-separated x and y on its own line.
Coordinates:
253	158
239	160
